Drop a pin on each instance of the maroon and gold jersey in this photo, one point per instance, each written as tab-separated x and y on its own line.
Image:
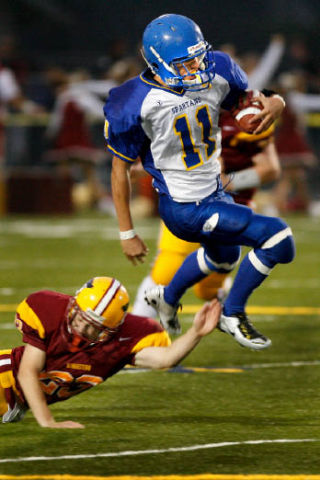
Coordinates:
238	148
41	319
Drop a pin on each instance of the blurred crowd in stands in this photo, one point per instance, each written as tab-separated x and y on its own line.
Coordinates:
51	123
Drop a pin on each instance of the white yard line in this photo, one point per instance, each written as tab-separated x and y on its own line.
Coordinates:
283	364
127	453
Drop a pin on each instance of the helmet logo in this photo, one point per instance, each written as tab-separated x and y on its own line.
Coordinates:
194	48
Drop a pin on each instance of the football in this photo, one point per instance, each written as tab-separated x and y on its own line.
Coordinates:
246	109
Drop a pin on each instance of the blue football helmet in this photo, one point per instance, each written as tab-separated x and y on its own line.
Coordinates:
171	41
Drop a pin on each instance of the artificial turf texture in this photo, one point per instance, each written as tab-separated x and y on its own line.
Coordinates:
264	395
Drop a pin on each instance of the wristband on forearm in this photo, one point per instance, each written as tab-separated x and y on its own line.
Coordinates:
247	178
127	234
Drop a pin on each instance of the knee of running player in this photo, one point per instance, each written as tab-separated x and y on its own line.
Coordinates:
220	259
277	246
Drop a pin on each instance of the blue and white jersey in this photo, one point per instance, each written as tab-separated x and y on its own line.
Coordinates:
174	132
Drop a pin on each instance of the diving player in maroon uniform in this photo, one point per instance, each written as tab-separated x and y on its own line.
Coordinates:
75	343
248	161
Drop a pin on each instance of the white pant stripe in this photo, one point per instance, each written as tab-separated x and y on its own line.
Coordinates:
277	238
201	261
258	265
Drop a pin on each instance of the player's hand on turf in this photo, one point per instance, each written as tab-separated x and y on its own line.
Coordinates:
66	424
207	318
135	249
272	109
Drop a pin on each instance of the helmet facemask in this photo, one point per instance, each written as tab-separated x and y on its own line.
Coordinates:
203	76
78	340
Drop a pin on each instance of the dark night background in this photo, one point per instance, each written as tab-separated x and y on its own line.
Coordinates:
76	32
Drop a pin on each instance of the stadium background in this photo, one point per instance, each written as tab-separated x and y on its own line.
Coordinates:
93	34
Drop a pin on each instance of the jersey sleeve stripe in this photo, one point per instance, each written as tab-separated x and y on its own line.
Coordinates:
159	339
28	316
120	155
106	129
7	351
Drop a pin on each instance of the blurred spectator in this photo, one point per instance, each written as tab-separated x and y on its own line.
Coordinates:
118	50
292	191
11	99
42	84
9	96
261	70
301	59
230	49
124	69
11	57
73	150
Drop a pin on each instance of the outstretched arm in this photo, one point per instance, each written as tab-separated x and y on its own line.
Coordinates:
262	74
32	362
132	245
164	357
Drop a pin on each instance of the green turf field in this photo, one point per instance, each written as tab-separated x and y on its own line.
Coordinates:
229	411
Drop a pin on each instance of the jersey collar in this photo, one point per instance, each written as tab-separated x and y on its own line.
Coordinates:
147	77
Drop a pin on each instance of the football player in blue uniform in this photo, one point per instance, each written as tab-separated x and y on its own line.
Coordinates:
168	117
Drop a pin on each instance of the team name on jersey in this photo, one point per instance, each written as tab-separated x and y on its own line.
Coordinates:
79	366
188	103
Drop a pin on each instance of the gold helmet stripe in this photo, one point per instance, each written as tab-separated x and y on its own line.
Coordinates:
107	297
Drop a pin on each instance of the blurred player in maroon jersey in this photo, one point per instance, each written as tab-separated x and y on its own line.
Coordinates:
248	161
75	343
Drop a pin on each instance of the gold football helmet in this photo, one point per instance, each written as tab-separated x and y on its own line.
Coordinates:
101	302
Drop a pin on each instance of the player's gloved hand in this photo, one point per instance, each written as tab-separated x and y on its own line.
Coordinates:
135	249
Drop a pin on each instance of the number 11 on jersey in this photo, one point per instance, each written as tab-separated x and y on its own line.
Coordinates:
191	154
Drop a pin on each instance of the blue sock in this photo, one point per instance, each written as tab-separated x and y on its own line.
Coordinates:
188	274
246	280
